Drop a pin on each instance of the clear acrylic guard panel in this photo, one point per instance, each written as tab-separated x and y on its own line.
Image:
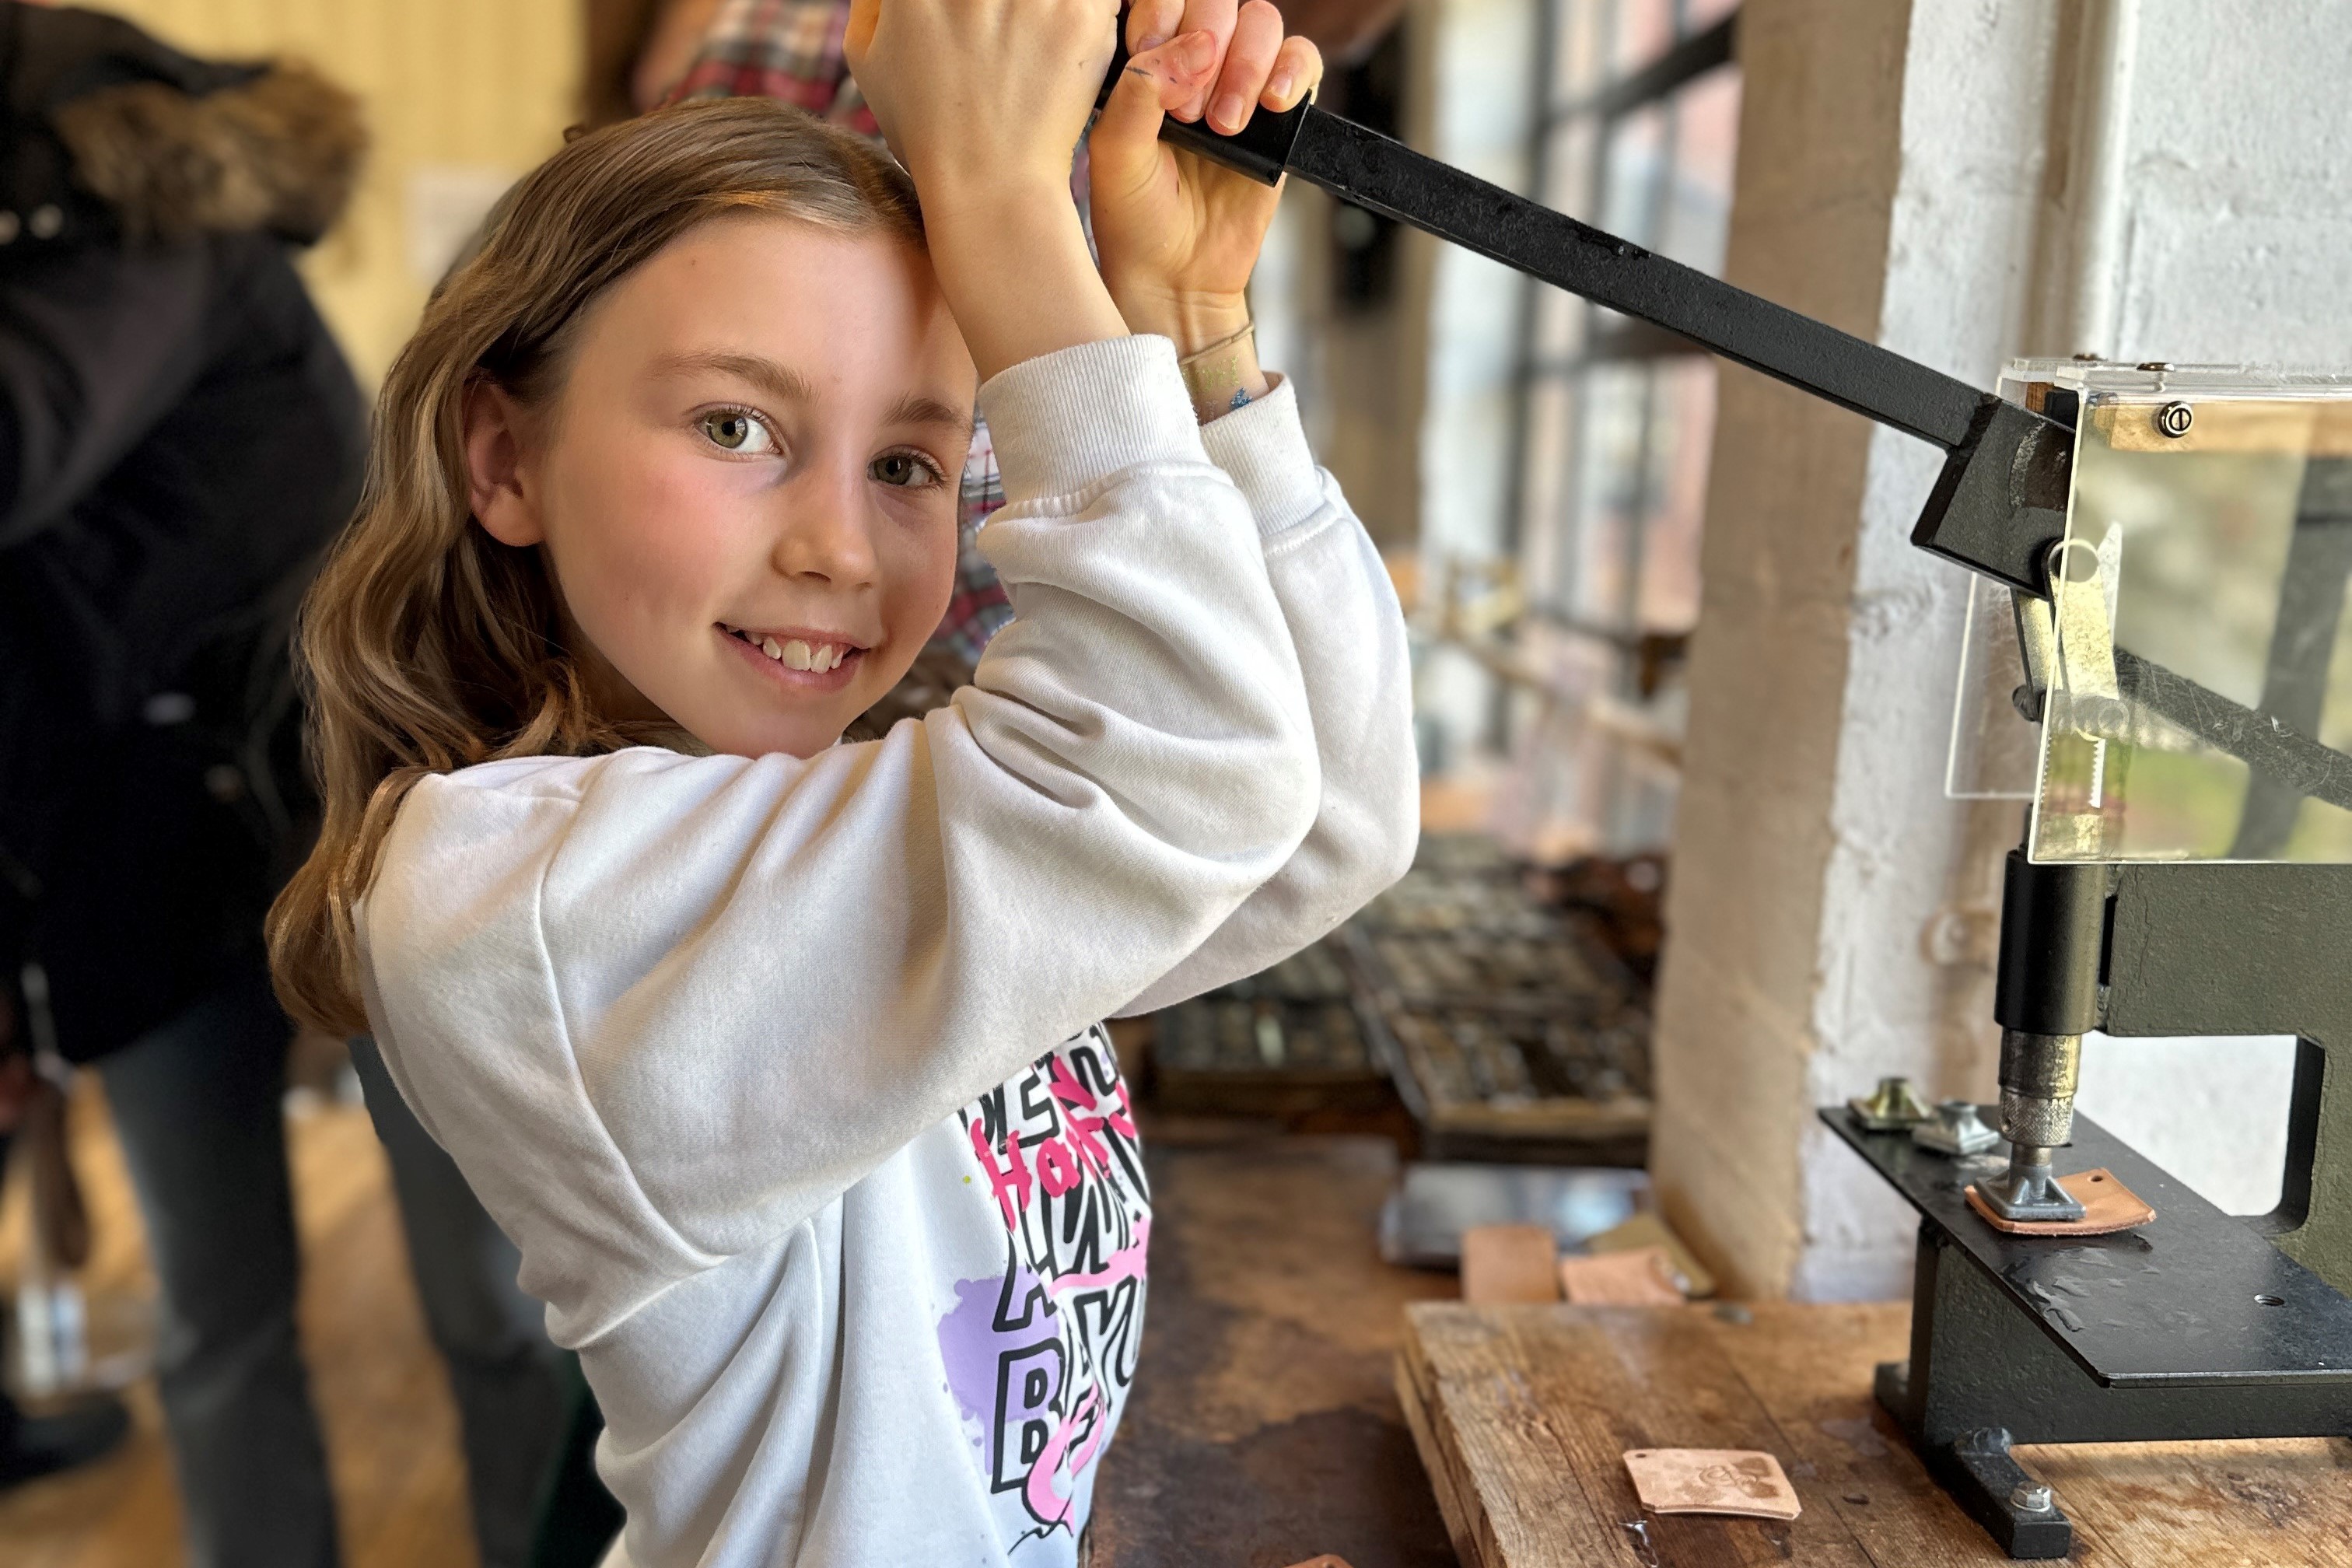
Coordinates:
2199	699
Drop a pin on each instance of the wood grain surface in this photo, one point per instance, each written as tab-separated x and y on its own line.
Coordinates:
1262	1429
1522	1414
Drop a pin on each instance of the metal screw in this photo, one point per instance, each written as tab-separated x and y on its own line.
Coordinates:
2174	418
2030	1497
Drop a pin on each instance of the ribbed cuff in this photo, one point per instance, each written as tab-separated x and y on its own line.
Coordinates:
1069	419
1263	449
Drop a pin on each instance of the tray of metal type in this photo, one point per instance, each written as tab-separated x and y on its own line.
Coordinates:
1564	971
1263	1055
1446	902
1313	974
1516	1085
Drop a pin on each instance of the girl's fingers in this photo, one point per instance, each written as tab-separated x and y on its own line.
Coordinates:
1125	144
859	36
1298	71
1215	18
1151	23
1249	61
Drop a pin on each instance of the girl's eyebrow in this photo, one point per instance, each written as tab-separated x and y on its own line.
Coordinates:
779	381
789	385
917	409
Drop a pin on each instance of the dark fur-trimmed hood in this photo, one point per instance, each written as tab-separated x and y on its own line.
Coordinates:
110	133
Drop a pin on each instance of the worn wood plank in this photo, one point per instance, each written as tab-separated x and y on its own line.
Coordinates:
1539	1394
1811	1367
1456	1497
2281	1503
1524	1504
1523	1411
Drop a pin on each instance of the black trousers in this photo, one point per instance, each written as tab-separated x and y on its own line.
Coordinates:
197	1105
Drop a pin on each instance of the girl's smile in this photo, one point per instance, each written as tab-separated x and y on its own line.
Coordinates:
803	659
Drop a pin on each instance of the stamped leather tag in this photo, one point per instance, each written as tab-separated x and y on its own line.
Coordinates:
1740	1481
1640	1278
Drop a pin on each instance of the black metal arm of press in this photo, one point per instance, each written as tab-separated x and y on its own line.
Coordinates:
2001	501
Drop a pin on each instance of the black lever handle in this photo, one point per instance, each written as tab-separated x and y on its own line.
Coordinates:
2001	501
1260	149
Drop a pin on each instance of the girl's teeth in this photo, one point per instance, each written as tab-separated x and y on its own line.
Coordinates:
798	655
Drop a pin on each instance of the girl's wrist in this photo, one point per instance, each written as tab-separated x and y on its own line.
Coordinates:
976	198
1224	374
1192	321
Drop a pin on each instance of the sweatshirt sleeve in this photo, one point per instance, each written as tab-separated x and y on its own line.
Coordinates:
1350	637
662	1009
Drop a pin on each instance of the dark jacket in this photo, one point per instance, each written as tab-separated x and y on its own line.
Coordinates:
179	440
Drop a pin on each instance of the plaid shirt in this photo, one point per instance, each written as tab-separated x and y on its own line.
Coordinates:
791	50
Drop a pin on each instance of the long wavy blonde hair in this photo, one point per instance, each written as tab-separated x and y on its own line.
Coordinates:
426	644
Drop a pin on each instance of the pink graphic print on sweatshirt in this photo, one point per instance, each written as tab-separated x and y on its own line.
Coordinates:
1040	1358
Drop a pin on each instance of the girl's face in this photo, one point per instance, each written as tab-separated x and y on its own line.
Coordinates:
747	486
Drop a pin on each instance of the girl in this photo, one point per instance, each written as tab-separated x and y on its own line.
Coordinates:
777	1058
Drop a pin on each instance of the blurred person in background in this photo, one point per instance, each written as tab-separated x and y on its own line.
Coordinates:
180	438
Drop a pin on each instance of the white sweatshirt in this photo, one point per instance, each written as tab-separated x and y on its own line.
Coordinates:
785	1076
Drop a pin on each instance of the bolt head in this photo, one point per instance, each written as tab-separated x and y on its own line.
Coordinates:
2030	1497
2175	419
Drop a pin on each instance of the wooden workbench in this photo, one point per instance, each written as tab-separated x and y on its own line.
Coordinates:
1521	1415
1263	1428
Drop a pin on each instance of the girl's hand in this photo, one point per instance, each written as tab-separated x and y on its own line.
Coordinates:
1178	234
983	101
980	96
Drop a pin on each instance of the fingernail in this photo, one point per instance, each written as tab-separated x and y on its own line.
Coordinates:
1195	52
1159	26
1231	110
1279	86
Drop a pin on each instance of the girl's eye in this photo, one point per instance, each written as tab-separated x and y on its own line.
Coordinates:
734	430
908	470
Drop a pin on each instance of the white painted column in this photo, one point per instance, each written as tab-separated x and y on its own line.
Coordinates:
1920	175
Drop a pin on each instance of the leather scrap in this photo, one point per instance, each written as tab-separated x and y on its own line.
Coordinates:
1641	1277
2108	1206
1507	1263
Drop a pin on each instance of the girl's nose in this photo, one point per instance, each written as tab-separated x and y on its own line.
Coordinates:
825	529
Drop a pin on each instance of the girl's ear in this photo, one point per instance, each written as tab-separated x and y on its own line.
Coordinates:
502	503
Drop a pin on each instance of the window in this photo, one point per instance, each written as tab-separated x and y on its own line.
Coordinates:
1638	118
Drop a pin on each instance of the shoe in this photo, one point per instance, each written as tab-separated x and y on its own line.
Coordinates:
36	1445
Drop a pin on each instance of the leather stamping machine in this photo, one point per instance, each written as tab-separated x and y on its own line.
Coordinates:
2162	558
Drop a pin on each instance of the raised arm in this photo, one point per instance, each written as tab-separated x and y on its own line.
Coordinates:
662	1009
1179	237
1349	637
